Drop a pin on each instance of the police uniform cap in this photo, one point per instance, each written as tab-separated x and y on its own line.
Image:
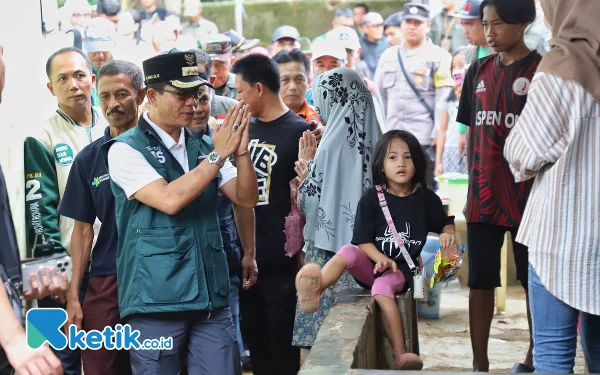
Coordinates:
394	20
239	43
416	11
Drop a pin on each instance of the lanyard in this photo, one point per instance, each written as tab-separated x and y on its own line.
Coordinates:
388	217
448	28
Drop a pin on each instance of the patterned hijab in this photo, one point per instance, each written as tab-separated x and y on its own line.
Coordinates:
341	169
575	53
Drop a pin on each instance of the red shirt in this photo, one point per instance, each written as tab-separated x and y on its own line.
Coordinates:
492	99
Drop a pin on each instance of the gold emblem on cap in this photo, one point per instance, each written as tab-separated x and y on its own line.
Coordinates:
186	85
189	58
189	71
152	76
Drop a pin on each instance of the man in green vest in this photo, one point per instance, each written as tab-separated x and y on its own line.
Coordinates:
171	267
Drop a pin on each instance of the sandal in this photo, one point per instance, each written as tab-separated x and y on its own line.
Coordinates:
308	285
520	368
409	361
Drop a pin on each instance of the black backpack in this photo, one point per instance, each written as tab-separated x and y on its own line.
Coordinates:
10	263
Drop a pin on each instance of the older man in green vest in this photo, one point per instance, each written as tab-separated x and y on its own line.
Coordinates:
171	268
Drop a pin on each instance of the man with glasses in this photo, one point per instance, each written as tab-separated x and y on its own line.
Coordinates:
172	270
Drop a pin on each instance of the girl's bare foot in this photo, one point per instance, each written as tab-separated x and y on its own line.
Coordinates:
308	285
409	361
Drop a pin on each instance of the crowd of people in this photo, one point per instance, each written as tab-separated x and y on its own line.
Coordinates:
222	193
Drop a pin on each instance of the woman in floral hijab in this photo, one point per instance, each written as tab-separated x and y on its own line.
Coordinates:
337	177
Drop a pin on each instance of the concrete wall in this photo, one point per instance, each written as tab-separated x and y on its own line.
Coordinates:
352	336
311	17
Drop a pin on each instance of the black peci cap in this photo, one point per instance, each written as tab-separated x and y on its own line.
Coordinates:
179	69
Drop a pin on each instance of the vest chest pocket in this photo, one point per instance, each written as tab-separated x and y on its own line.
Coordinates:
166	270
220	267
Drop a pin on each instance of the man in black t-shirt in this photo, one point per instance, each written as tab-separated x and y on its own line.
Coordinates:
268	309
494	94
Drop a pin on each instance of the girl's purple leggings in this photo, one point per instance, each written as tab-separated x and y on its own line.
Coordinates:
361	268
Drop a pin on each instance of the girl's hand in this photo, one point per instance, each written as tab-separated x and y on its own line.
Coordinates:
301	169
446	240
307	146
385	264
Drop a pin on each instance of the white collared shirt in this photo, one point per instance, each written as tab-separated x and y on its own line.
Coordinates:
130	170
178	149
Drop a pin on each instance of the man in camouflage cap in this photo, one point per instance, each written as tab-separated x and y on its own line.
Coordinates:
219	49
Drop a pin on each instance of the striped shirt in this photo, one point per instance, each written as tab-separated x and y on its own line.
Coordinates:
556	142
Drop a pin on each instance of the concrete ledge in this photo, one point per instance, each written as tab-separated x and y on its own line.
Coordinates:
352	336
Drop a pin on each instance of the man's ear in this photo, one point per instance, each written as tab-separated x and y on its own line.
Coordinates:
524	27
50	88
260	90
141	96
93	79
151	95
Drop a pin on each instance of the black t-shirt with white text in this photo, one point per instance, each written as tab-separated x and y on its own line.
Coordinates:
414	217
274	151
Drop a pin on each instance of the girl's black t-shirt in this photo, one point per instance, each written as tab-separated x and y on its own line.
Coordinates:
414	217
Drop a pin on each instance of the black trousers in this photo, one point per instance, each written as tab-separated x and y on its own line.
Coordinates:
70	359
268	310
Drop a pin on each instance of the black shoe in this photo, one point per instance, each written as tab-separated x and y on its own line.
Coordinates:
520	368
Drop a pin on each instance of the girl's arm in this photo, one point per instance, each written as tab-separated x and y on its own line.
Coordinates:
382	262
373	253
441	141
437	219
447	236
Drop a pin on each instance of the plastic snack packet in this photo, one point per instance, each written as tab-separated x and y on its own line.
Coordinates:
446	264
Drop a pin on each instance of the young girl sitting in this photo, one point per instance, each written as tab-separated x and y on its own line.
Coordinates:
399	166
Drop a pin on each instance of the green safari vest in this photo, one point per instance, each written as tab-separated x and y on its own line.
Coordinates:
169	263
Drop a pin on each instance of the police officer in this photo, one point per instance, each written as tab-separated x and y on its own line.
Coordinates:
171	267
414	80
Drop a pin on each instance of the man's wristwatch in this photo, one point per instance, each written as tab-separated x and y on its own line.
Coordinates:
215	158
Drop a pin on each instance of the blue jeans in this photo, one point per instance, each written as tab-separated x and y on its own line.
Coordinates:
554	325
234	306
